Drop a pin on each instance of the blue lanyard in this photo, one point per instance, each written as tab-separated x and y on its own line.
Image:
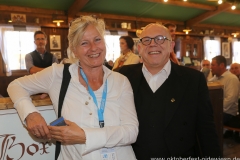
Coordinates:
103	101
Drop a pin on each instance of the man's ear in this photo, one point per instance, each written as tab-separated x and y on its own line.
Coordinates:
222	65
139	48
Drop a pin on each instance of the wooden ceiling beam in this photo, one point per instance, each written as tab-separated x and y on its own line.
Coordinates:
184	4
233	11
76	7
151	20
17	9
217	27
207	15
131	18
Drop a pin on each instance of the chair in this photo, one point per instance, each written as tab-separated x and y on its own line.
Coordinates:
234	124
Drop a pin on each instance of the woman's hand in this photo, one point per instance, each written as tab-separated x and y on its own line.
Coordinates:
70	134
37	126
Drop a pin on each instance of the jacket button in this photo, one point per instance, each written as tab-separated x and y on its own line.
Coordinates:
181	139
86	103
184	123
90	113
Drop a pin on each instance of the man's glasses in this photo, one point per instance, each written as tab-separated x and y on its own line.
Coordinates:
158	40
40	39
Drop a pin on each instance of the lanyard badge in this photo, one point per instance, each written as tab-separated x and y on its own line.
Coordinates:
103	101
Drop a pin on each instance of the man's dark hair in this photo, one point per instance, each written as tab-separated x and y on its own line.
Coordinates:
129	41
220	59
40	32
167	25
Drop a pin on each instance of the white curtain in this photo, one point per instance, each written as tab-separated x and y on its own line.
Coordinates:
3	49
212	47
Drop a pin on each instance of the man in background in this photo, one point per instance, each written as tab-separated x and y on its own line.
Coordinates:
40	58
172	102
172	29
235	69
206	69
230	92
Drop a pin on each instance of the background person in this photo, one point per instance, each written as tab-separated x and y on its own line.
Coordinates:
127	56
91	84
206	69
40	58
230	92
172	29
172	102
235	69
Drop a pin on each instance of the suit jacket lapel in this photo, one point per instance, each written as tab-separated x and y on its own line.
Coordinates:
177	83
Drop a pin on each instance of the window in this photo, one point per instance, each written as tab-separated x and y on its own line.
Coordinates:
18	44
236	51
113	47
212	47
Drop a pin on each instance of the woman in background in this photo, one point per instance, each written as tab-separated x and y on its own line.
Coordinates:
127	56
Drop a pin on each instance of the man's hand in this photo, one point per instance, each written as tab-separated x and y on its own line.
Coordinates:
37	126
70	134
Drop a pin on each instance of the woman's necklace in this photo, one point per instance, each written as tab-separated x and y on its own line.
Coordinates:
123	59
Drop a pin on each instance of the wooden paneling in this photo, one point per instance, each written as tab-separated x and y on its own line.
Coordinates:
63	32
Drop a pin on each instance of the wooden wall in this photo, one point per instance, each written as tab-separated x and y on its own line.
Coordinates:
63	32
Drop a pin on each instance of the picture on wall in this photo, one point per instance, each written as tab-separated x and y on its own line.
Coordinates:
55	42
226	49
58	54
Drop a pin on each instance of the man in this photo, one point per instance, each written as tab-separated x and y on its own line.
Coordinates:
231	92
206	69
235	69
172	29
40	58
172	102
231	87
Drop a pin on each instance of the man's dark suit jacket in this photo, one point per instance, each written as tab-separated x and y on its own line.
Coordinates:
188	113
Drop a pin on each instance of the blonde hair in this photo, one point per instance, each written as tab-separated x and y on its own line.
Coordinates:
78	27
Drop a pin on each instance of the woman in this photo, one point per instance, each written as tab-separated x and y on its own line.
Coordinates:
82	138
127	56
